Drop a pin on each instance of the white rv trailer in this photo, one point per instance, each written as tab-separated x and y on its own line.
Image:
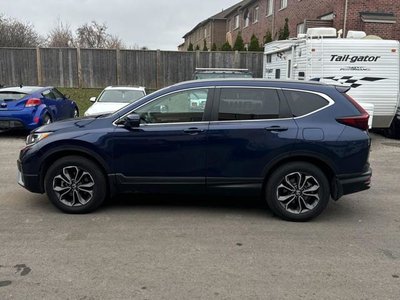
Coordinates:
369	66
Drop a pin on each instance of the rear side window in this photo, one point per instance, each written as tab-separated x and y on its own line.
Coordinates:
49	95
303	103
248	104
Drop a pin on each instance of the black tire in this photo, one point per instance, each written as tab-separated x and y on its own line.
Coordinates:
393	131
47	119
83	196
317	199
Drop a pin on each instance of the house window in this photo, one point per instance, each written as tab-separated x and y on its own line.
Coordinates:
300	28
270	7
246	17
237	22
283	4
328	17
205	32
255	14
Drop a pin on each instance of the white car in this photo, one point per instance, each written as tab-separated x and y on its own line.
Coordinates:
113	98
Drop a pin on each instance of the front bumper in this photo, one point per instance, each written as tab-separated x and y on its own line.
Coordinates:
31	182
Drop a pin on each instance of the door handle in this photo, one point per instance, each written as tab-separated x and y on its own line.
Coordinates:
276	128
193	130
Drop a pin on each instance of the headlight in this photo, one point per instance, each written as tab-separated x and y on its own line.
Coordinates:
33	138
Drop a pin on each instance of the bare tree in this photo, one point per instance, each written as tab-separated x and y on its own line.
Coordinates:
60	36
14	33
114	42
94	35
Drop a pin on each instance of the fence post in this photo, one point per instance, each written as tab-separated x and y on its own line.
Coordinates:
78	59
159	71
118	64
198	59
237	59
38	67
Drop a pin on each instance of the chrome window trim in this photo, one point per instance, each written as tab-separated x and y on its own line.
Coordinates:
173	123
324	96
170	93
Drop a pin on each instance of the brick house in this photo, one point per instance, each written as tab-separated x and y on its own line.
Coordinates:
211	30
258	17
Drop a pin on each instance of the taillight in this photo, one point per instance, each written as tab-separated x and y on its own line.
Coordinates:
360	121
33	102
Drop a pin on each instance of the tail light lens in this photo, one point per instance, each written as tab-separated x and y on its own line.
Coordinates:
33	102
360	121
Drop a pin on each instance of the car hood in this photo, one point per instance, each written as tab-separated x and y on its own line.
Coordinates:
71	124
104	107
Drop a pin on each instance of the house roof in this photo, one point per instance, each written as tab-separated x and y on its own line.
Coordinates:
219	16
241	5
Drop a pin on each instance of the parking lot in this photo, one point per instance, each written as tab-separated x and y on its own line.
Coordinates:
169	247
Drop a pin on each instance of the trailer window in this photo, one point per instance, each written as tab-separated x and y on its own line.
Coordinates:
303	103
277	73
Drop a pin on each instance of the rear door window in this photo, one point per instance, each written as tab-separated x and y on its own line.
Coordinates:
248	104
303	103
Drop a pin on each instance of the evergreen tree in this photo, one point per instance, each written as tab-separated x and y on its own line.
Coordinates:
284	33
239	44
214	47
205	46
190	47
226	47
254	44
268	37
197	48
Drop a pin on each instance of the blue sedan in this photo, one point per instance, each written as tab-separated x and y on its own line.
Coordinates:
28	107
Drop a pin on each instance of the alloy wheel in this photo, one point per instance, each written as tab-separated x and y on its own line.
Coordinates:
298	193
73	186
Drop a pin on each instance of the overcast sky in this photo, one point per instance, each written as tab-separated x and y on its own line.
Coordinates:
156	24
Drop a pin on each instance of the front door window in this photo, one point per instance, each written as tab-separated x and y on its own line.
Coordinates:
185	106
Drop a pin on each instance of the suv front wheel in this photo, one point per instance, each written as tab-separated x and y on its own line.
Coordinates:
75	184
297	191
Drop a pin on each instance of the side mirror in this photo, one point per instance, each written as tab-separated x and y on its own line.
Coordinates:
132	121
92	99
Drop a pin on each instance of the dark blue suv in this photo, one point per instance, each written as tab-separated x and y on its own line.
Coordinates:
297	144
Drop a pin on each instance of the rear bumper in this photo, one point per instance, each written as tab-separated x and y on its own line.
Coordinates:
353	183
6	123
23	119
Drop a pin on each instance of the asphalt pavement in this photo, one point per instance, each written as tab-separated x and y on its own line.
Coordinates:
170	247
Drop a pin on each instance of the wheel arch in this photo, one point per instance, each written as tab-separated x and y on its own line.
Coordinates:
323	164
75	151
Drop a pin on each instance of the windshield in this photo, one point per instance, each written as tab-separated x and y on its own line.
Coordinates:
222	75
8	95
120	96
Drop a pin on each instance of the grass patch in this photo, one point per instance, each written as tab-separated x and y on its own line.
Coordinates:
81	97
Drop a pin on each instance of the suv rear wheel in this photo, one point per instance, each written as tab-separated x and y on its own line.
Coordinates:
75	184
297	191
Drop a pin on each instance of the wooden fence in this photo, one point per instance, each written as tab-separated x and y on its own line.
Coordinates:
97	68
